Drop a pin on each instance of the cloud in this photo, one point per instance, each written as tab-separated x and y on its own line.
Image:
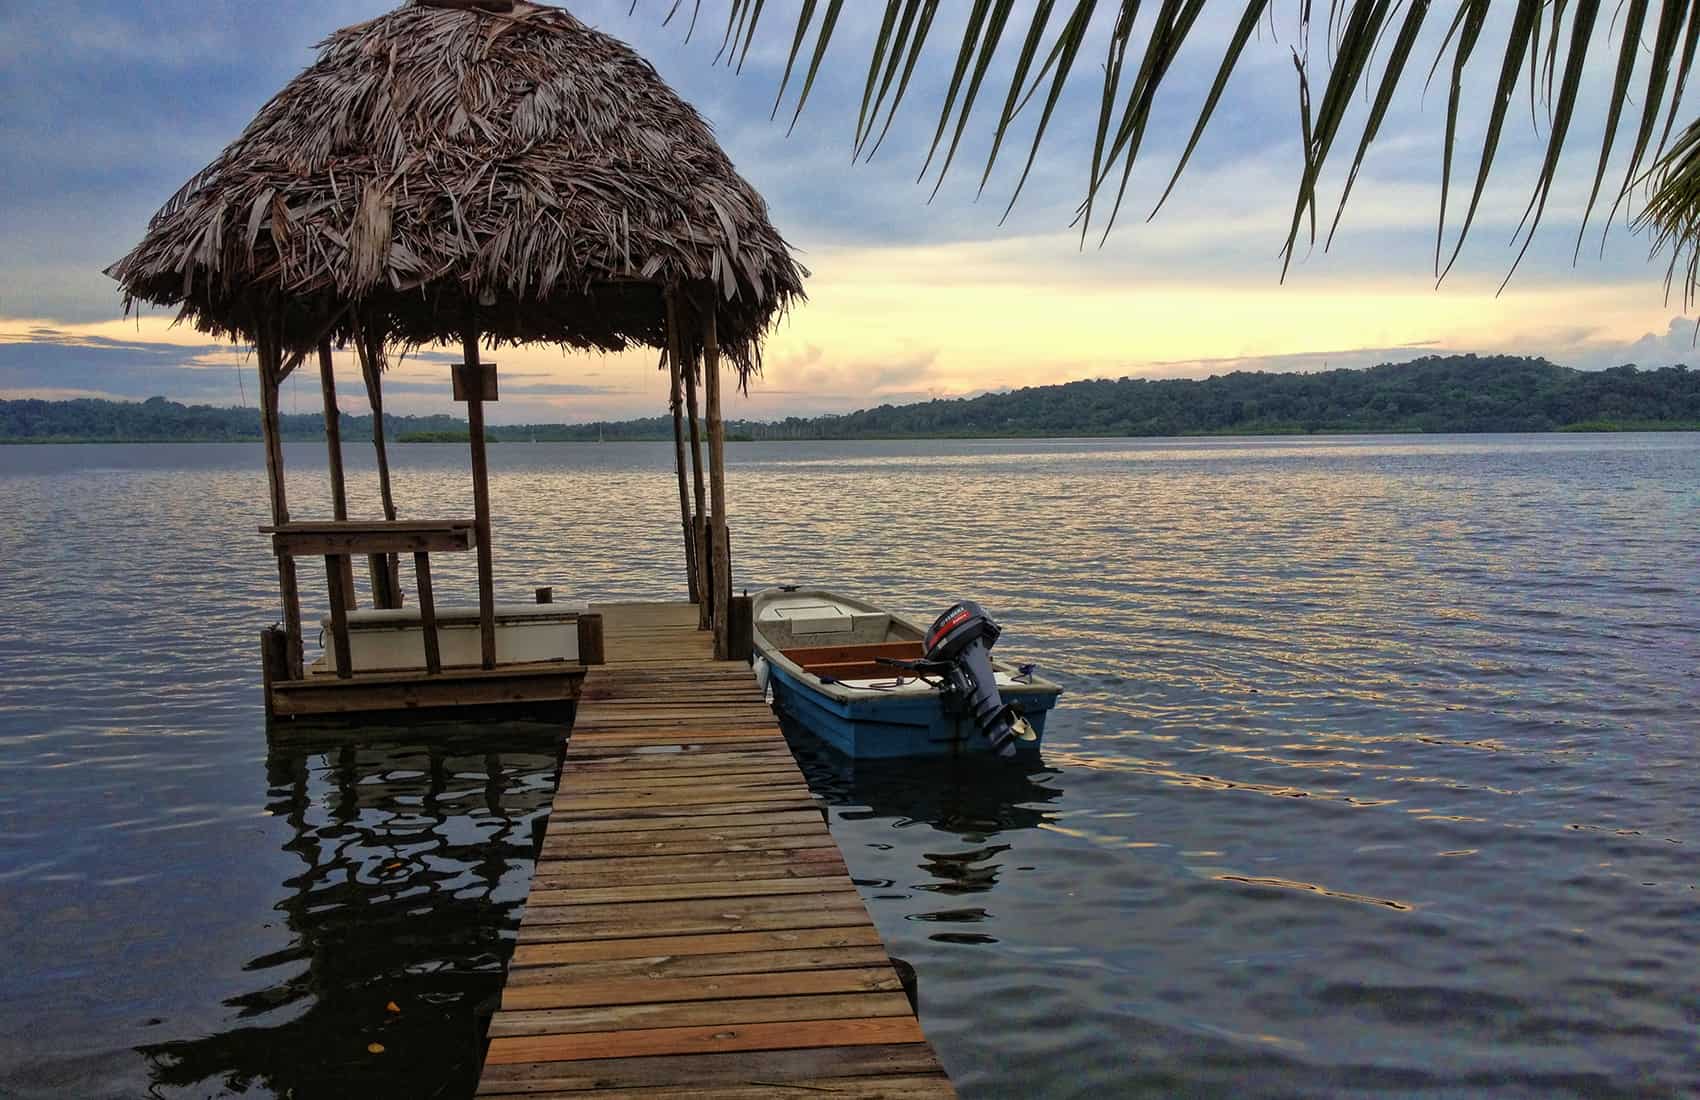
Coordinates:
507	389
1591	349
110	105
1291	362
70	365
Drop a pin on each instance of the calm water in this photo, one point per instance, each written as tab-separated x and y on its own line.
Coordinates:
1376	769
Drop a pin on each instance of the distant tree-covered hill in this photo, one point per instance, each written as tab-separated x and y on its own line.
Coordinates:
1464	393
1460	393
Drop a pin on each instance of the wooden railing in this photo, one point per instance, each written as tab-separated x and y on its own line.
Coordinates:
338	542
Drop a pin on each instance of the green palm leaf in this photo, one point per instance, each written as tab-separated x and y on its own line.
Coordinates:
1523	48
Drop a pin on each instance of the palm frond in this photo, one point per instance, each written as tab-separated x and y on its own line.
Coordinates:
1672	213
1544	43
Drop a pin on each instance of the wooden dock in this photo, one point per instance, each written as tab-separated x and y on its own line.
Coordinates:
692	929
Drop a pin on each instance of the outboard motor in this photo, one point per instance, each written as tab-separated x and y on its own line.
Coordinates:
960	644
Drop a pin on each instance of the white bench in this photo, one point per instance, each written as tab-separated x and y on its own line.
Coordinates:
394	640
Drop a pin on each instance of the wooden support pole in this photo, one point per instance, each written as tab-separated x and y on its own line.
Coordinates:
333	442
676	400
274	664
333	432
592	648
336	566
474	383
702	531
717	486
386	573
699	524
740	617
428	613
270	353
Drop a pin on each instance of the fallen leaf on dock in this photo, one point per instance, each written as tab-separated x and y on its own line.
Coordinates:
374	1048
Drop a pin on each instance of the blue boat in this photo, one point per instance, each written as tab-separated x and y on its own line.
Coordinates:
877	686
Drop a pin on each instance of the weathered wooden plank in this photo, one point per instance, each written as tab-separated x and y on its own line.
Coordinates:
566	845
649	913
559	954
687	865
709	1070
655	689
703	1040
664	754
617	824
510	685
700	966
685	891
580	994
835	916
570	875
751	1010
680	797
769	776
757	723
854	1088
773	845
932	1087
587	775
301	540
638	737
579	813
605	769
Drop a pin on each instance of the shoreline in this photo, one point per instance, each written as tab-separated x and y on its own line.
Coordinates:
1587	428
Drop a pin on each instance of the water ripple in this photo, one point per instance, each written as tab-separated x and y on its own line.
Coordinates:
1374	772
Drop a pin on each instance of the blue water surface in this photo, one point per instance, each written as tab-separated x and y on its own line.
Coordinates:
1375	771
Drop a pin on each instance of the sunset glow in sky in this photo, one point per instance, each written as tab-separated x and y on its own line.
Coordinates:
111	107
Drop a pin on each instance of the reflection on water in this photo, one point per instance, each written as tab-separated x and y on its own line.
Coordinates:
962	807
413	860
1374	771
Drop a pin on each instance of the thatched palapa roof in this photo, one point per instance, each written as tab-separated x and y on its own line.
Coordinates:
437	157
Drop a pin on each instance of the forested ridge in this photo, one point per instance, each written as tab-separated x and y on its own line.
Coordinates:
1460	393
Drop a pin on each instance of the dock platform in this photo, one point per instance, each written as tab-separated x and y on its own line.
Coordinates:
692	928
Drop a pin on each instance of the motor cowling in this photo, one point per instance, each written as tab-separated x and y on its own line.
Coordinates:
962	638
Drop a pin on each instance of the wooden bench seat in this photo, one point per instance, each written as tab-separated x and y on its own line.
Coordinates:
853	662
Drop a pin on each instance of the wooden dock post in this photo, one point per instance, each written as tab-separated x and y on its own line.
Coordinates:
336	575
740	624
386	568
722	592
428	613
269	351
274	664
592	647
699	521
675	398
333	442
476	384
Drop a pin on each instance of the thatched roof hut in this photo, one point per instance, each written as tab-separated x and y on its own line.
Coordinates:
441	155
481	172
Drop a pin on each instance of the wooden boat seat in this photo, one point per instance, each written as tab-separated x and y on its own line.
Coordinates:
853	662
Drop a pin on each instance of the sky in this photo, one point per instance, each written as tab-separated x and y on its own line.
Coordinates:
109	106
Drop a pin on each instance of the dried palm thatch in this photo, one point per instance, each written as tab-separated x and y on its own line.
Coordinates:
444	157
